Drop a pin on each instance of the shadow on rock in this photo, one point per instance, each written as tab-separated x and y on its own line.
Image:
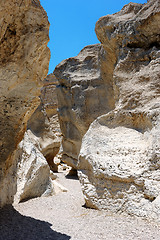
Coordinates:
72	174
14	226
72	177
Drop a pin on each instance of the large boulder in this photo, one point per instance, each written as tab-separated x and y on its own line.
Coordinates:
85	92
24	60
33	172
119	161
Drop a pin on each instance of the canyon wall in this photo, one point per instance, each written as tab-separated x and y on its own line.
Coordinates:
40	145
119	161
24	60
85	91
44	123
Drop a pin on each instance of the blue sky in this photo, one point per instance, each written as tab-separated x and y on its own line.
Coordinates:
73	22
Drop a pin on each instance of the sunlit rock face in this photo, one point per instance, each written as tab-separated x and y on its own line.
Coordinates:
85	92
24	60
33	172
119	161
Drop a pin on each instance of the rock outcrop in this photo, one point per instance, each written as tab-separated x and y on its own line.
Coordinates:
119	161
24	60
44	122
33	172
40	145
85	92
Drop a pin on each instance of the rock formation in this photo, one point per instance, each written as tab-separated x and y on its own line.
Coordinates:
41	142
24	60
119	161
44	122
85	92
33	172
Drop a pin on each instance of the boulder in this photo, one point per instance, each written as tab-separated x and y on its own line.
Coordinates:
119	161
85	91
24	60
33	172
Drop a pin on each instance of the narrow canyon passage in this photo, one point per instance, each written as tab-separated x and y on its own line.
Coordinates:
98	112
63	217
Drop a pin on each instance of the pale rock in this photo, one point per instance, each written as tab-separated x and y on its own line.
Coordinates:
85	91
24	60
40	144
58	188
119	160
33	173
44	123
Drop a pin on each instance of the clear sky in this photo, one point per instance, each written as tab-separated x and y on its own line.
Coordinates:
73	22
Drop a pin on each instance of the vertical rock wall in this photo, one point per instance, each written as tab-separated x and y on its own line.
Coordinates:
85	92
44	123
119	161
24	60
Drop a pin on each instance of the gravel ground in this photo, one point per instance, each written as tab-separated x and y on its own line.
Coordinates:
63	217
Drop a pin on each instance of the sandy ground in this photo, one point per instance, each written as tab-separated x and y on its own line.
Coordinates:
63	217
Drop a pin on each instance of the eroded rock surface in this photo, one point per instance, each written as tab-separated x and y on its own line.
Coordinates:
85	92
119	160
44	123
33	172
24	60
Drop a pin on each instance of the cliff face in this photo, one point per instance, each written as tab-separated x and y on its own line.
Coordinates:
24	59
85	92
119	159
44	123
40	145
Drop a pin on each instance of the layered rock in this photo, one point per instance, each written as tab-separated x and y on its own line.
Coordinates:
119	160
85	92
24	60
44	122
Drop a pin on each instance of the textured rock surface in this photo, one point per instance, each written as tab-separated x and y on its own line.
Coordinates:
33	173
84	93
44	122
24	59
120	155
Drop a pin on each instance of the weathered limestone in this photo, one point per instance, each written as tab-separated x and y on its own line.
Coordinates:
119	161
41	142
85	92
44	122
24	60
33	172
